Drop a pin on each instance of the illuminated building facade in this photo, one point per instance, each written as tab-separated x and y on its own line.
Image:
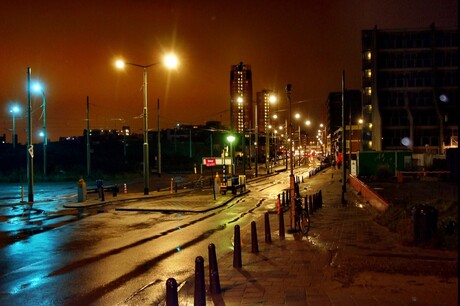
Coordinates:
241	104
410	89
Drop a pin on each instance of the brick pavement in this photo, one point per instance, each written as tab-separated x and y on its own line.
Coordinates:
347	259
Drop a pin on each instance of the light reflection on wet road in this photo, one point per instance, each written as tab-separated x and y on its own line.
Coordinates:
109	256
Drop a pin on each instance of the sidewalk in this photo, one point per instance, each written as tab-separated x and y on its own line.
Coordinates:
347	259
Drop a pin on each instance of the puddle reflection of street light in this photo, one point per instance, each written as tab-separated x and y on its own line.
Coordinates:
171	62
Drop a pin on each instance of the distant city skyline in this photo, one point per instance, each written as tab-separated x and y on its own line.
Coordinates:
71	48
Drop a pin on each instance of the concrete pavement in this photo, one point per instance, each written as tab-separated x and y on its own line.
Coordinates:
346	259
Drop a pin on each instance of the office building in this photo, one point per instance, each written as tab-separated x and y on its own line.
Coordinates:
410	89
241	104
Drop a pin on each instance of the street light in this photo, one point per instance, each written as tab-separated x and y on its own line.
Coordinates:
171	62
38	88
323	129
291	176
14	110
231	139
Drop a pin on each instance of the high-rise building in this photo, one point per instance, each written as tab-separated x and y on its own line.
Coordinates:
263	100
241	104
410	89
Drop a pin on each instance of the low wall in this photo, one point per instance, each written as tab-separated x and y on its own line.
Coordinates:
368	194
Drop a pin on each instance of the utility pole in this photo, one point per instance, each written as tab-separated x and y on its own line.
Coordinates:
159	141
88	146
344	170
291	160
30	147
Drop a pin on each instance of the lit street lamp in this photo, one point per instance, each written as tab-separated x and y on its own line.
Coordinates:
14	110
38	88
323	129
171	62
291	176
231	139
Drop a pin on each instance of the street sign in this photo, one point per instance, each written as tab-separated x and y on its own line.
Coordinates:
31	151
216	161
210	162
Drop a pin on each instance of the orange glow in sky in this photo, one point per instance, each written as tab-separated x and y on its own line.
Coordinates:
71	47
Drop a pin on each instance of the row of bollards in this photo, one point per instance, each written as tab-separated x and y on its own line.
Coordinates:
312	203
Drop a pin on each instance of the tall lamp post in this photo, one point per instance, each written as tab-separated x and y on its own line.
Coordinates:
38	88
231	139
291	164
14	110
169	61
324	129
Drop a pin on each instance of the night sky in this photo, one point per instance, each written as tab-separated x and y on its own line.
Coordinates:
71	47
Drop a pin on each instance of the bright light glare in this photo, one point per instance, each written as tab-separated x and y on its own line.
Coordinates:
272	99
239	100
37	87
120	64
14	109
307	122
231	138
171	61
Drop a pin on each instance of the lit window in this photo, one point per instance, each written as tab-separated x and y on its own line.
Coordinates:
368	73
369	55
368	91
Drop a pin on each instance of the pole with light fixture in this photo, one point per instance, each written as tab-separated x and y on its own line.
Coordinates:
38	88
30	147
14	110
231	139
291	163
170	61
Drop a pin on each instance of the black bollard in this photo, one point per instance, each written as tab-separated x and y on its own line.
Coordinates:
171	293
102	194
302	178
200	290
305	203
254	242
214	283
315	201
310	204
283	201
320	199
268	235
281	224
237	262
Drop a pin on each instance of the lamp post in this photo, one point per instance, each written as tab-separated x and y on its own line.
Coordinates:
291	176
307	143
30	147
324	129
170	61
14	110
231	139
38	88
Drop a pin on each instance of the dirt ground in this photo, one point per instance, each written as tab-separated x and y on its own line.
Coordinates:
429	191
